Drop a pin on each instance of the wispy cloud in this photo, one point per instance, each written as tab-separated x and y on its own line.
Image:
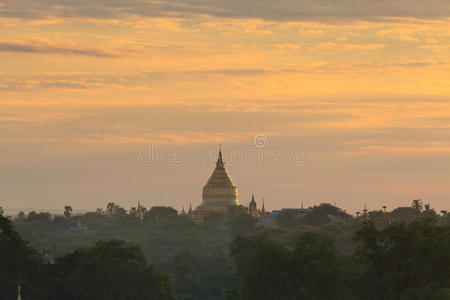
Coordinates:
46	47
264	9
149	80
348	47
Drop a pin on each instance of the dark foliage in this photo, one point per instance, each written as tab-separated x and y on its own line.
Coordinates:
162	212
43	217
403	258
403	254
271	270
19	262
109	270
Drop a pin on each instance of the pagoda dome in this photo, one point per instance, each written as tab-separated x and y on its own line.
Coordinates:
220	189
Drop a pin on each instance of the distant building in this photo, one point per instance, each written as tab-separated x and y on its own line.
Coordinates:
263	210
79	228
219	194
253	208
270	219
183	212
298	212
190	213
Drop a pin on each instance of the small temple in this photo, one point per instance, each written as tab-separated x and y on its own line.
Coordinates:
219	192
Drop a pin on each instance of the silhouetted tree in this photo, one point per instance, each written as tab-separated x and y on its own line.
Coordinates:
44	217
67	211
266	268
109	207
287	220
241	224
61	221
417	205
379	218
187	279
214	222
132	211
21	216
405	256
430	213
115	210
317	265
270	270
325	213
404	213
110	270
162	212
18	261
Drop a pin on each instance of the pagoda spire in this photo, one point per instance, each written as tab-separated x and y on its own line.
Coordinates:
220	162
252	207
139	212
19	289
190	213
263	209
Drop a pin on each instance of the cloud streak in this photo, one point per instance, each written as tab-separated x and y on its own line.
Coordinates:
348	47
147	80
45	47
264	9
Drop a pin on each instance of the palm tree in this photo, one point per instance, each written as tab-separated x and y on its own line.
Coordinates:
365	210
417	205
67	211
109	207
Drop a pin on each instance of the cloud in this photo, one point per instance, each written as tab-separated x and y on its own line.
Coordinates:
61	81
407	38
362	123
401	34
263	9
150	80
400	64
46	47
348	47
232	72
437	47
150	122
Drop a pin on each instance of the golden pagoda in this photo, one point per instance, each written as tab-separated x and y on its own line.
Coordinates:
218	194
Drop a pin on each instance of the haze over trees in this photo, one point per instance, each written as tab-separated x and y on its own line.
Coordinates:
107	270
110	254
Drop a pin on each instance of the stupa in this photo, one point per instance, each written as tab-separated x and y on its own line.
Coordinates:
219	192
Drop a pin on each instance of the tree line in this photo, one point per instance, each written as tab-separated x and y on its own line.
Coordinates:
325	254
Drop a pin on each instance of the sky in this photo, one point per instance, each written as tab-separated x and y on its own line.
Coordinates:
345	102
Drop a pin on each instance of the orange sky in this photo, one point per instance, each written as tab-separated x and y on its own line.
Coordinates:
362	88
